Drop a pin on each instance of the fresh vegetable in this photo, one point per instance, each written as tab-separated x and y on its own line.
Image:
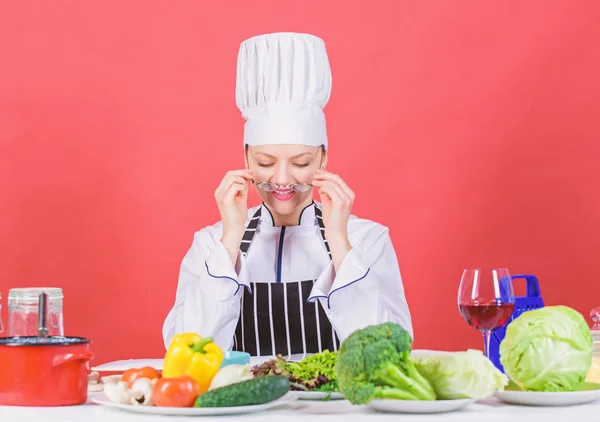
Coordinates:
133	374
117	392
318	370
547	349
374	363
176	392
313	373
231	374
276	366
139	393
258	390
94	384
190	354
458	375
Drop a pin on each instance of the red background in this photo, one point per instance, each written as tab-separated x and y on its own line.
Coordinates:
471	129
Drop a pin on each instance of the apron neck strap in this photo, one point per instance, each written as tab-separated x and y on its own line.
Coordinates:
250	232
253	224
319	215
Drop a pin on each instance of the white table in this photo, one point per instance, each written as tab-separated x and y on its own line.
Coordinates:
486	411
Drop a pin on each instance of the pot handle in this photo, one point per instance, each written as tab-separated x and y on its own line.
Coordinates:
69	357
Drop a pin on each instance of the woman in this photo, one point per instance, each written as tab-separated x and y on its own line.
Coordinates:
290	276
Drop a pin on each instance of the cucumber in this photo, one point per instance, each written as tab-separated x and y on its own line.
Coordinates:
259	390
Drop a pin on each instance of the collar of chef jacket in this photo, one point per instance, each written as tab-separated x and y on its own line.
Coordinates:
307	217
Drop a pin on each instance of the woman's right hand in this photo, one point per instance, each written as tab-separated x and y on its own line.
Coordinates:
232	200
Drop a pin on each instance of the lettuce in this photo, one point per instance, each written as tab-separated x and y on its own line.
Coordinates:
458	375
547	349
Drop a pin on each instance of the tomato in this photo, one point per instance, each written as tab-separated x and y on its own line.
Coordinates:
176	392
133	374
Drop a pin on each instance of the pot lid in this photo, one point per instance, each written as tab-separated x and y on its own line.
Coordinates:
39	341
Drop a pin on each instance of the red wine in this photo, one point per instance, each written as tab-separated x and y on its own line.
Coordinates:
486	316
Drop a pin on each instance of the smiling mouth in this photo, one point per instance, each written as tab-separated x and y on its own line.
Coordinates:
283	195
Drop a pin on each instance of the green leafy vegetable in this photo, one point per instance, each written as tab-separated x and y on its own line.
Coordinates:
375	362
313	366
328	387
547	349
313	373
458	375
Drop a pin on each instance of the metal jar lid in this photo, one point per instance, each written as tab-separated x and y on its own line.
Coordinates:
30	295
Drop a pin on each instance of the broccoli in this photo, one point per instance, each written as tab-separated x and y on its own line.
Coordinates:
374	363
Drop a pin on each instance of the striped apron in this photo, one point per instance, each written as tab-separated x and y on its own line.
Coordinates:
276	318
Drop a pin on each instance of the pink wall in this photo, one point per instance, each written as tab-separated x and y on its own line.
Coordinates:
470	128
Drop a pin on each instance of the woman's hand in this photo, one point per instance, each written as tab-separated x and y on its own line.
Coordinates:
337	200
232	199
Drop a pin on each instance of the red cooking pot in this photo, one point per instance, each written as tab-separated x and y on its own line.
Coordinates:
50	371
43	370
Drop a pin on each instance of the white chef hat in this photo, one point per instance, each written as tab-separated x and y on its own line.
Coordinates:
283	83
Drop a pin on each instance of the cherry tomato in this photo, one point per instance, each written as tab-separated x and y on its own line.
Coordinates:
176	392
133	374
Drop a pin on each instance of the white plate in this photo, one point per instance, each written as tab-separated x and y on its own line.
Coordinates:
297	357
124	365
316	395
588	394
192	411
419	406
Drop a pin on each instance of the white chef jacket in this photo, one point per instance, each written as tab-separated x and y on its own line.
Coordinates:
366	290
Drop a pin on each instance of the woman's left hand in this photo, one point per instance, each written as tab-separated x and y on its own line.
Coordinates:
337	200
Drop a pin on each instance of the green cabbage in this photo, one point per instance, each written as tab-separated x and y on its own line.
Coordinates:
547	349
458	375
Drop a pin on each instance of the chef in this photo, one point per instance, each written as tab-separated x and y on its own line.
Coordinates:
290	276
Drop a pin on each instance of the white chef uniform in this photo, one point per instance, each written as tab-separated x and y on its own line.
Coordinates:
284	295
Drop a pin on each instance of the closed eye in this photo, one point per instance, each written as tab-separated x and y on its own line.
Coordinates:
265	164
302	165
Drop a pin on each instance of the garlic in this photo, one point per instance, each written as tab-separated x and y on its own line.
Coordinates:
140	392
117	392
231	374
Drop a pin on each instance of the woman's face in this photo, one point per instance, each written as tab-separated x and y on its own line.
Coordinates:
285	165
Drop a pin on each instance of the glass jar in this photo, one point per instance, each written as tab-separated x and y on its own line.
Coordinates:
594	372
23	305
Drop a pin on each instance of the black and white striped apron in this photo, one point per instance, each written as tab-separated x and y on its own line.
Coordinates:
276	318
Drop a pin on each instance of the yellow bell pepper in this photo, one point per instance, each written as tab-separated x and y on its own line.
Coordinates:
190	354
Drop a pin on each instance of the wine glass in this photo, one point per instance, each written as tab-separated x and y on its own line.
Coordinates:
486	300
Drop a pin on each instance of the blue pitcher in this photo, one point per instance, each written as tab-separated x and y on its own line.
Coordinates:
533	300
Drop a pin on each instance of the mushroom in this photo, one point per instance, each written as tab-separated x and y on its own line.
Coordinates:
94	377
117	392
111	379
94	384
140	392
